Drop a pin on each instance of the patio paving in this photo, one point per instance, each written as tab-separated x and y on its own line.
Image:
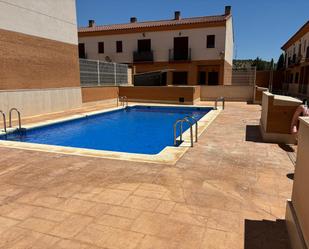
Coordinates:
229	191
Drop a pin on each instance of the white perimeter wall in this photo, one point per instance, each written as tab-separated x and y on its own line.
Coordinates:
51	19
35	102
230	93
161	42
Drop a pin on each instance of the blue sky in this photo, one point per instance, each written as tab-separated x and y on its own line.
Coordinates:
261	26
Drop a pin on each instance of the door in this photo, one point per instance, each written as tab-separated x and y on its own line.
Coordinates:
180	78
181	48
202	78
213	78
144	45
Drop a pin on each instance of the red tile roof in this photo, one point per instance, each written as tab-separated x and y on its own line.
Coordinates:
150	24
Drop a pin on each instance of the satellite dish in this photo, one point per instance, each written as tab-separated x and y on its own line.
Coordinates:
108	59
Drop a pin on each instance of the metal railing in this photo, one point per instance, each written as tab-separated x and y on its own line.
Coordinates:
123	100
143	56
196	125
180	54
10	117
101	73
218	100
4	121
181	121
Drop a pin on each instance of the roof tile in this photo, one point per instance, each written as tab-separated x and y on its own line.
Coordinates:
148	24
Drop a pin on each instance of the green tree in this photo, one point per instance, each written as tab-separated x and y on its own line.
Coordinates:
259	64
271	66
280	63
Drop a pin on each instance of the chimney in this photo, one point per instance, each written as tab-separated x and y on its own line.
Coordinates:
228	10
91	24
177	15
133	19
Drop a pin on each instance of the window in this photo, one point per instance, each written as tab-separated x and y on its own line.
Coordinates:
144	45
119	46
211	41
101	47
81	50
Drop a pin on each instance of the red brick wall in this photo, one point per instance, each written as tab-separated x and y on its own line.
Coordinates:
28	62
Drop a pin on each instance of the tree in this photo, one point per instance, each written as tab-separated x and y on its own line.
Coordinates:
280	63
259	64
271	66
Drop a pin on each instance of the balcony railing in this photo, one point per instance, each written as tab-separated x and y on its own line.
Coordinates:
145	56
180	54
295	60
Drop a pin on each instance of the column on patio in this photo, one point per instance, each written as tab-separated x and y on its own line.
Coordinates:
297	215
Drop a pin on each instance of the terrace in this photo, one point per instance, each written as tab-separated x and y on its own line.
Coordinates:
228	191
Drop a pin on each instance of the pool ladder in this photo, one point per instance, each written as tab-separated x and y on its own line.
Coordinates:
10	119
191	121
4	120
123	100
223	103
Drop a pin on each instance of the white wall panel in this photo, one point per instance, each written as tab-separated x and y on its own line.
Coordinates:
51	19
35	102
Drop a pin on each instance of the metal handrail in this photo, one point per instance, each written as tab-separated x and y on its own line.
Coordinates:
175	129
4	120
10	117
181	121
126	99
122	99
196	125
223	102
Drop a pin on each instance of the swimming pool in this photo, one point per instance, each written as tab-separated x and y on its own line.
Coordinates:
136	129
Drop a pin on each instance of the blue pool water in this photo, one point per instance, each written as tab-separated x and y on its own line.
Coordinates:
137	129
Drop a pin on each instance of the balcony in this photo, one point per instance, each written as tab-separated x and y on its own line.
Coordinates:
179	55
142	56
295	60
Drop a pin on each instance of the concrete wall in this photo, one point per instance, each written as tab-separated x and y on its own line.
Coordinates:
231	93
276	118
168	94
39	55
161	42
298	219
38	101
91	94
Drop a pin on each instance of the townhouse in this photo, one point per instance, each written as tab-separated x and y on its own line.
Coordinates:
191	51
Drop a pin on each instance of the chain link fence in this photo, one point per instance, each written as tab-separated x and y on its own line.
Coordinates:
101	73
